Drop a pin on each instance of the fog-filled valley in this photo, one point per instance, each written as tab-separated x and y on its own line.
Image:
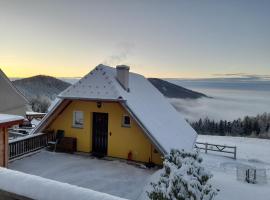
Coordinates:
231	98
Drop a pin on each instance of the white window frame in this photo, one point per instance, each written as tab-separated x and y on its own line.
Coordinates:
123	121
80	124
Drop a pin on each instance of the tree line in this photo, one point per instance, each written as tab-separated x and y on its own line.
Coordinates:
258	126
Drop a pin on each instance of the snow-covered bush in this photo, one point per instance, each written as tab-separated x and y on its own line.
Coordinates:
40	104
183	178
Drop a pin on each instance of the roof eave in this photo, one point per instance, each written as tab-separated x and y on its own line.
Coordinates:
91	99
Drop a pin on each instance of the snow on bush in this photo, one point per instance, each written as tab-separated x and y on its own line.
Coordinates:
183	178
40	104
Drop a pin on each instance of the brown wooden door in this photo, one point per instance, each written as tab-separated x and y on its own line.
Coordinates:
100	134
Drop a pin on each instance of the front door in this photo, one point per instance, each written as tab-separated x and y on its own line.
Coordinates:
100	134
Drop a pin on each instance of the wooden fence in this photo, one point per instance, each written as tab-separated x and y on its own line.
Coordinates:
22	146
216	148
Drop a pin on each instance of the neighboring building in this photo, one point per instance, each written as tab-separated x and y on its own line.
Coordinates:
115	113
12	101
5	122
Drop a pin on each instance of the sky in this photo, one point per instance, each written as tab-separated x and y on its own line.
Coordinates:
177	39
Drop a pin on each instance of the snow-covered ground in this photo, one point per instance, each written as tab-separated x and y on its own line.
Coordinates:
124	180
250	151
112	177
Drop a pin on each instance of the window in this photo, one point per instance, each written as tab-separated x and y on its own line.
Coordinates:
126	121
78	119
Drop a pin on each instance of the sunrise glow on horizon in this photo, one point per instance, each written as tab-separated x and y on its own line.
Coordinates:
179	39
24	72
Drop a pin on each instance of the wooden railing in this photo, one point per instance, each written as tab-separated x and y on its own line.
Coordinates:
22	146
216	148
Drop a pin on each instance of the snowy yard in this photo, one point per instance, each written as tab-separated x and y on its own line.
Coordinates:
254	152
112	177
250	151
124	180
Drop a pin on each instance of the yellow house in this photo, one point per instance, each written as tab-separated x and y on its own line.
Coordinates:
113	112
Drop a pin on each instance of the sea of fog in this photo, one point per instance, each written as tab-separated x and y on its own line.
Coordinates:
232	98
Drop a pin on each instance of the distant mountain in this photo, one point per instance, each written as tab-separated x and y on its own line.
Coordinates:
171	90
41	86
50	87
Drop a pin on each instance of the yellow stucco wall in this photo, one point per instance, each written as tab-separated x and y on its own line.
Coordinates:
121	140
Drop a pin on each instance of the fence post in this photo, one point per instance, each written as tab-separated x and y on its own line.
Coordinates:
206	147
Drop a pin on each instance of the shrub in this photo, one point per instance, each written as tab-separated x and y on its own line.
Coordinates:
40	104
183	178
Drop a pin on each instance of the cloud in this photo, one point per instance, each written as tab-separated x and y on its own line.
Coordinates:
124	49
243	75
226	105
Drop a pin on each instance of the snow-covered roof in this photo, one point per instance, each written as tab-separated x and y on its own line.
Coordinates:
4	118
98	84
163	124
34	113
12	101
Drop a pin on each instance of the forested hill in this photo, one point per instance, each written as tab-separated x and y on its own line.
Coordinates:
41	86
171	90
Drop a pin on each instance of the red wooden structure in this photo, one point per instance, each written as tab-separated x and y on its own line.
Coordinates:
6	121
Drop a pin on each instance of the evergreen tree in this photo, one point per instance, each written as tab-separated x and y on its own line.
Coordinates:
267	128
183	178
258	126
221	128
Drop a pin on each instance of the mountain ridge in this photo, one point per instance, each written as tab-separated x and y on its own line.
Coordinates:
50	87
41	85
171	90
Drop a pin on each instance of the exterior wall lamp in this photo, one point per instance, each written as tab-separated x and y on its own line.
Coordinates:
99	104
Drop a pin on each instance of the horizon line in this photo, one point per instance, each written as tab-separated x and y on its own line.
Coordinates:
259	77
